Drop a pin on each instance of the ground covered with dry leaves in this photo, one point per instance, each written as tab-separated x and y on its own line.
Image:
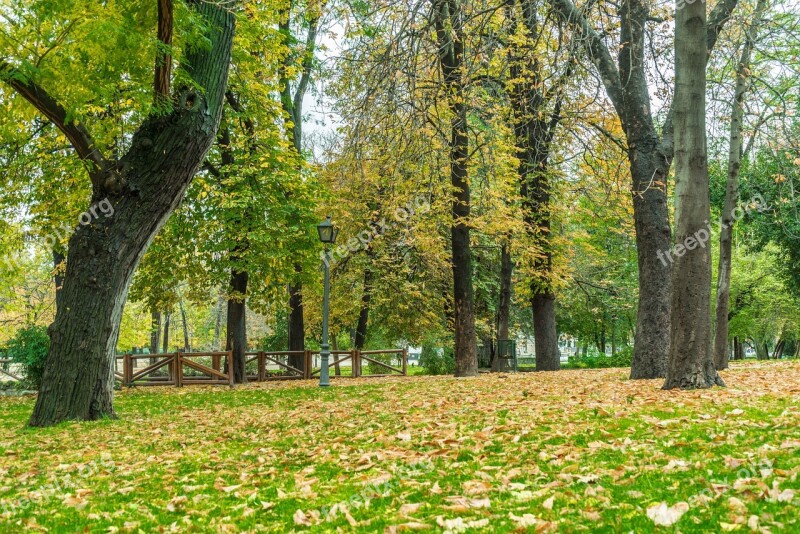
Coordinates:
566	451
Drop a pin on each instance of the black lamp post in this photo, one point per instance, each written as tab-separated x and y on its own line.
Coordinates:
327	234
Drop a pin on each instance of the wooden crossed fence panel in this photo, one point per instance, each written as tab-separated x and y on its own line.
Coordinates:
176	364
358	357
263	359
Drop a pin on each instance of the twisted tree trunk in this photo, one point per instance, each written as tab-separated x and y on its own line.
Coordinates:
144	187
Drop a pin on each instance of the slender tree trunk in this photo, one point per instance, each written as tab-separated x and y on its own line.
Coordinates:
691	363
155	331
293	107
218	322
144	187
363	315
337	367
187	345
504	306
536	118
448	15
167	318
237	324
742	74
297	328
155	334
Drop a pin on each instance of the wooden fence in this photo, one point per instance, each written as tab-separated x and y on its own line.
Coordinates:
183	368
175	369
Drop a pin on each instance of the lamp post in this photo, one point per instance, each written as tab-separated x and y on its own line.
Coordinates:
327	234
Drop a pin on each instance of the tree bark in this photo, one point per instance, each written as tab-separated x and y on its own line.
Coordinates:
297	328
448	19
691	363
237	324
144	188
742	73
544	332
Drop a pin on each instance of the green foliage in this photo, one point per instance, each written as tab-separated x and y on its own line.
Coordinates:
622	358
29	348
437	361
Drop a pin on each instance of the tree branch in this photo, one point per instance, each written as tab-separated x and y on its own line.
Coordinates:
77	135
163	55
595	48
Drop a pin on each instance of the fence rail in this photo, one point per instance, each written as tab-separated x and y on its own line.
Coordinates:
183	368
5	365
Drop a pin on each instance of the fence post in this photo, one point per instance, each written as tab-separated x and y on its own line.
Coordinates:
127	370
307	366
178	369
215	362
405	361
230	368
262	366
356	362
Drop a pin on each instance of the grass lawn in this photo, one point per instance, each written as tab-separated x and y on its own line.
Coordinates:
569	451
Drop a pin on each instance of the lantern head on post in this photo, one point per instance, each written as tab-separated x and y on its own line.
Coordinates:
327	231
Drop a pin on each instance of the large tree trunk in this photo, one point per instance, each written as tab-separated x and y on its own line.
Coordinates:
742	73
144	187
449	16
649	164
691	364
237	324
544	332
297	328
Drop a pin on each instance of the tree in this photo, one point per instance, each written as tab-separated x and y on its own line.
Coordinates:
448	19
650	157
691	363
298	64
736	147
144	186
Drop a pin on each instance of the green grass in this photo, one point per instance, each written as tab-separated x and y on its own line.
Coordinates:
579	450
